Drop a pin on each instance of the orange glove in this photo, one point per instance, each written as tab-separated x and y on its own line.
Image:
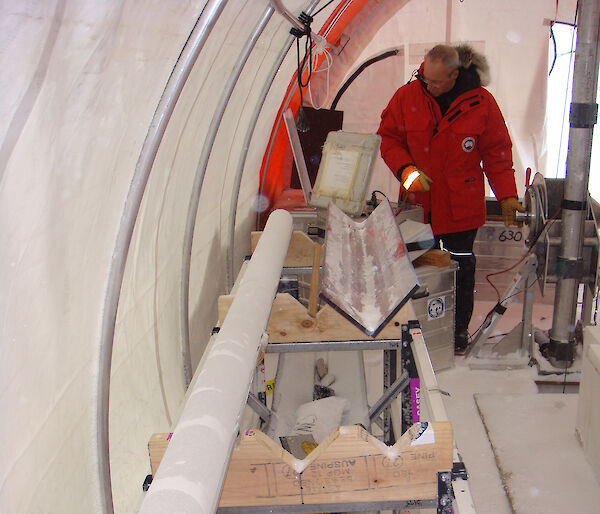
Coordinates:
414	180
510	206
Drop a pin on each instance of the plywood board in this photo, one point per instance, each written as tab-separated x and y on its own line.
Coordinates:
300	251
349	466
157	446
290	322
433	257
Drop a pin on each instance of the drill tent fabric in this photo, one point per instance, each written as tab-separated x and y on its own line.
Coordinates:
81	81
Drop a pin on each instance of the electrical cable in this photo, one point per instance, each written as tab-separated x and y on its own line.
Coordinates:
525	255
321	47
380	192
359	70
502	300
328	3
553	37
302	124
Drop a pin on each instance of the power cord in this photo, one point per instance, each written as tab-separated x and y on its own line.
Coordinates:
487	318
306	20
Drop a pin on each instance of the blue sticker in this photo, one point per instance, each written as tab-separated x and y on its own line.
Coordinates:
436	308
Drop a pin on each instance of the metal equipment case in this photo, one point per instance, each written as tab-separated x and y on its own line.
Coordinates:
434	306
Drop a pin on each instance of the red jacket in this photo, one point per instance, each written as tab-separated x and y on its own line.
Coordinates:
453	150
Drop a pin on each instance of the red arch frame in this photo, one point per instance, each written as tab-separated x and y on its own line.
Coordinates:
280	158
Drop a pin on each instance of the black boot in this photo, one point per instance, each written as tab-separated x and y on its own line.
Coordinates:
461	341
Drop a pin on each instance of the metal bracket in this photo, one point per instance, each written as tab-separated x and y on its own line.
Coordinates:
523	339
569	268
389	395
259	407
459	471
445	489
583	115
572	205
445	493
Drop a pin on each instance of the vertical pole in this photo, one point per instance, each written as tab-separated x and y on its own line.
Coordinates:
584	110
526	340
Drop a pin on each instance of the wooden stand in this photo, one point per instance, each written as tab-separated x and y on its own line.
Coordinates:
300	252
350	466
291	322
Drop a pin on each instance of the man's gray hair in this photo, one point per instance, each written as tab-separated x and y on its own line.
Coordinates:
447	54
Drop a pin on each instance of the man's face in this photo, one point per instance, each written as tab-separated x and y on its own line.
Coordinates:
435	75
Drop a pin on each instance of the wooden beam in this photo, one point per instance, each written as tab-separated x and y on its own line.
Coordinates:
300	251
349	466
157	446
433	257
315	280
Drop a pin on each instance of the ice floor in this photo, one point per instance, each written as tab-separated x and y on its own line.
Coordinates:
519	445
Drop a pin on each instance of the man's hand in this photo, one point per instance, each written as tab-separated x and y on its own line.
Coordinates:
510	206
414	180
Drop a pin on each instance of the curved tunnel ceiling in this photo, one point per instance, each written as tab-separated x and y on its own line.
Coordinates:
348	27
81	81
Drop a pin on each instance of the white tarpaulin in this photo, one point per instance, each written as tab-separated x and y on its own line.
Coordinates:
80	83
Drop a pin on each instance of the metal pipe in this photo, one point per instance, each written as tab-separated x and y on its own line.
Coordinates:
237	182
389	395
280	8
193	469
158	125
327	346
192	213
574	208
235	192
587	241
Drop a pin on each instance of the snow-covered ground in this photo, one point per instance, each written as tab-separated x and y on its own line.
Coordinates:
519	445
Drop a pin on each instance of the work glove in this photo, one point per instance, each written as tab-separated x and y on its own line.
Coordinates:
414	180
510	206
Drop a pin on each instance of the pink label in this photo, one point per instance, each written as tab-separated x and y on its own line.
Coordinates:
415	399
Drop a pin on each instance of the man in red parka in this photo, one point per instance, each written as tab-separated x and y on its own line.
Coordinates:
439	134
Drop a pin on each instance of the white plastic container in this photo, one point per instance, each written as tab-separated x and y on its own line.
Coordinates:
345	171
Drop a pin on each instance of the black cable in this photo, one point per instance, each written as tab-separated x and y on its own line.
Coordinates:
301	123
298	69
520	290
380	192
488	315
360	69
328	3
307	53
553	37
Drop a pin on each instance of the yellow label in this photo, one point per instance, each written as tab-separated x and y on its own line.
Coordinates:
269	386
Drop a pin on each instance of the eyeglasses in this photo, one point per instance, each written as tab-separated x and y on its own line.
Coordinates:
429	82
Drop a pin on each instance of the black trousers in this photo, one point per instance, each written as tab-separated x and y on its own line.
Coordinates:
460	246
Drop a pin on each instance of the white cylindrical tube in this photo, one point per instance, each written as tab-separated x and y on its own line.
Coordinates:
192	471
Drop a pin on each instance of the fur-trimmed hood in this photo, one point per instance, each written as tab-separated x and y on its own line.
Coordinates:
469	58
